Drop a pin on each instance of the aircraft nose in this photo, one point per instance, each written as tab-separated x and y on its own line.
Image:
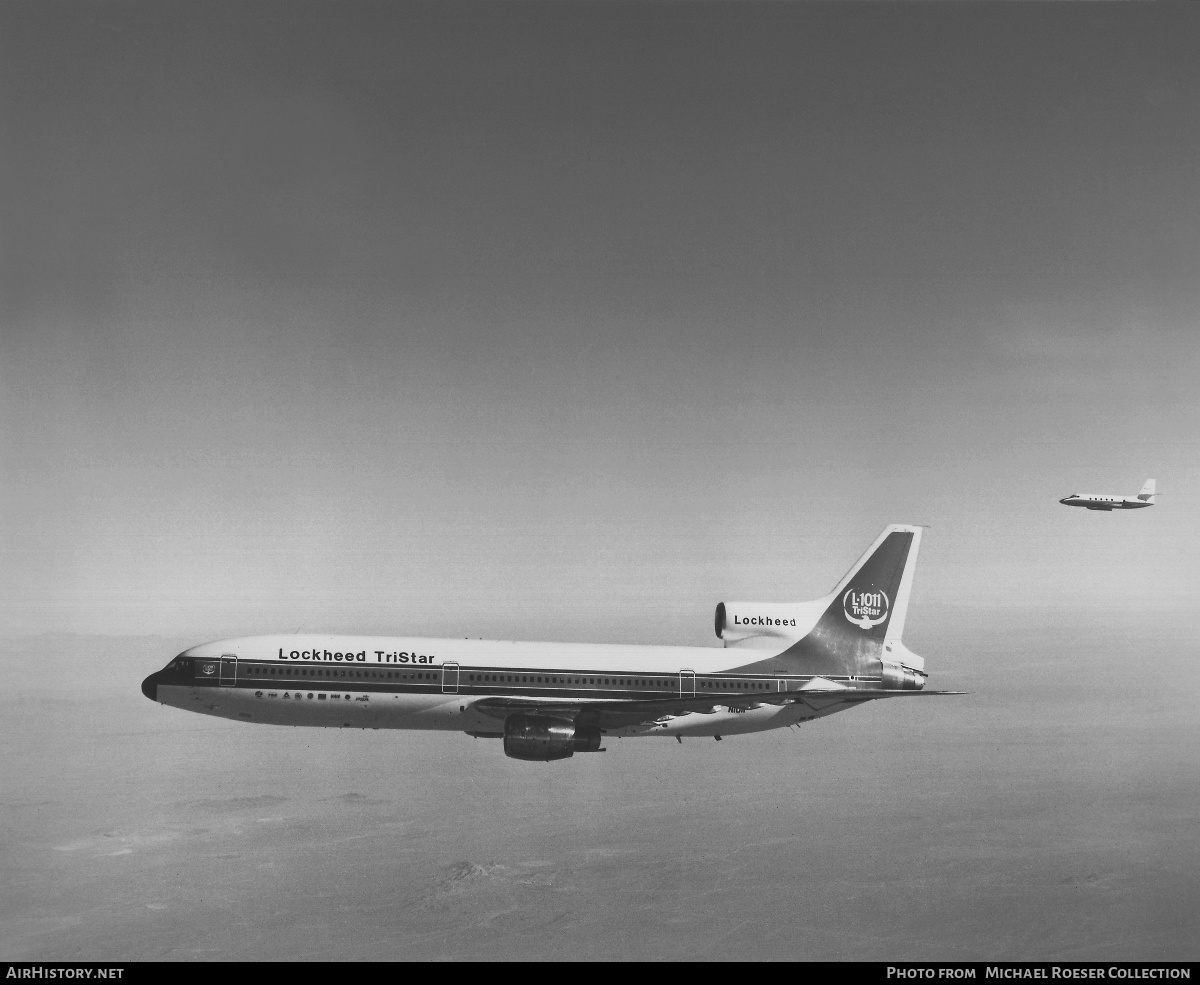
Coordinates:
150	687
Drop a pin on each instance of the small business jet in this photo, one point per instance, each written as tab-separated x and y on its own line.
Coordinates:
1089	501
781	664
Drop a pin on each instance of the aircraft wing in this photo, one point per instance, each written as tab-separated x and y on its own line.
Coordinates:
611	713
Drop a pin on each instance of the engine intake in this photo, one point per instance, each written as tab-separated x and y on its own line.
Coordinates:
736	621
540	739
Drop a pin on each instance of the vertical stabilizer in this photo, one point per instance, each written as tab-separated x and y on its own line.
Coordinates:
1147	494
857	633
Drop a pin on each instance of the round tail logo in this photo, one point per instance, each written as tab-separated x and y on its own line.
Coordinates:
865	609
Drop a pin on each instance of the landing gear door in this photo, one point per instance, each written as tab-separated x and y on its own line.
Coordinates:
228	670
450	678
687	683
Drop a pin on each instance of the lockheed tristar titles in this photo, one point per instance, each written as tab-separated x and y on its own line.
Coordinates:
1095	501
781	664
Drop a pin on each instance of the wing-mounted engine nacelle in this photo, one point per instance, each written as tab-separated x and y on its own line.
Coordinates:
538	738
897	677
742	620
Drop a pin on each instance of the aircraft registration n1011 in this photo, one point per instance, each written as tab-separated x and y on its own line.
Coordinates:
1096	501
781	664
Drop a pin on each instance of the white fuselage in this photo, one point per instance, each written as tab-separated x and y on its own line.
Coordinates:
415	683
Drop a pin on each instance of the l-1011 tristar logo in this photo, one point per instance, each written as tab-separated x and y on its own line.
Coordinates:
865	609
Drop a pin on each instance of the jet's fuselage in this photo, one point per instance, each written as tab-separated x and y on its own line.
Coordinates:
1096	501
415	683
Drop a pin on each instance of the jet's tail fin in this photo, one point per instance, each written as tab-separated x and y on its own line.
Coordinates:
854	632
873	594
1147	494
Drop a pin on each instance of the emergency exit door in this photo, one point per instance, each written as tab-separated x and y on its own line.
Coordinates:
228	669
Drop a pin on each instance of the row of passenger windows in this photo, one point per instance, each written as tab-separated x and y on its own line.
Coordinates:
511	678
610	681
326	674
534	679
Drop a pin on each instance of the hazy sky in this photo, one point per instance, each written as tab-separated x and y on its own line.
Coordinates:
569	321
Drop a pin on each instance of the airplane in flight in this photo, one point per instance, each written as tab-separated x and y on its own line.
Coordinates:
1091	501
780	664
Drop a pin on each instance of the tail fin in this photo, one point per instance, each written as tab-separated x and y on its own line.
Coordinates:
855	630
1147	494
873	595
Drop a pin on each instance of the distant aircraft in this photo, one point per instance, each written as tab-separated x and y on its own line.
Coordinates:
1089	501
782	664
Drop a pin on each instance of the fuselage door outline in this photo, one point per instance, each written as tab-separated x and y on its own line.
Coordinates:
228	669
450	678
687	683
